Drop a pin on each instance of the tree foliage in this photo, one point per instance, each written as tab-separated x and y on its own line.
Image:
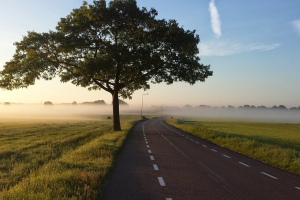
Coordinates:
119	48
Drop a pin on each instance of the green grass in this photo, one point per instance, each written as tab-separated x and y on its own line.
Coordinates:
276	144
65	159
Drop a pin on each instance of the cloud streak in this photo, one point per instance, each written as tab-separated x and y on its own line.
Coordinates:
215	19
226	48
296	24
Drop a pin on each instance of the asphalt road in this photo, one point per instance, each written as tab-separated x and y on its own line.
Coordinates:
159	161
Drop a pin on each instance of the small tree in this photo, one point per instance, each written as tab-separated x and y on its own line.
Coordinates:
120	48
48	103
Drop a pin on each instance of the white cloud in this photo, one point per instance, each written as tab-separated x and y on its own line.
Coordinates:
296	24
215	19
225	48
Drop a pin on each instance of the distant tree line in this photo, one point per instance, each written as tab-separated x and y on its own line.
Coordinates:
244	107
97	102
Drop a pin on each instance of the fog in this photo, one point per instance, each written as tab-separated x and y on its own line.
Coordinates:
269	115
81	111
35	111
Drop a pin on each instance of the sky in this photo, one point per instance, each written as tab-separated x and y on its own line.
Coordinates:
253	48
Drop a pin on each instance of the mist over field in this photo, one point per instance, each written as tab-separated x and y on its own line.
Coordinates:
55	111
82	111
272	115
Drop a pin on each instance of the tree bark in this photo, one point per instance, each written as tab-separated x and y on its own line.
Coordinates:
116	111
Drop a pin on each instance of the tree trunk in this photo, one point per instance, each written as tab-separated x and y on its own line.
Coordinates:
116	111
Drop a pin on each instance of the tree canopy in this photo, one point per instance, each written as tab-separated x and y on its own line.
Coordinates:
119	48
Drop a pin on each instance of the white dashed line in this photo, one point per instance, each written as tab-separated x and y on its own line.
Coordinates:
204	146
187	137
197	142
161	181
298	188
269	175
147	146
149	151
155	167
146	142
226	156
244	164
214	150
192	140
168	198
151	158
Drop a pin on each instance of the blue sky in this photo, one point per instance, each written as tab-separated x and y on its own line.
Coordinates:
253	48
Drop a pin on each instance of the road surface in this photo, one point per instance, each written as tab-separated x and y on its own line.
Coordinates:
159	161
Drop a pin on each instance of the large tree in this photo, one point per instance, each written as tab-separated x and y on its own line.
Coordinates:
119	48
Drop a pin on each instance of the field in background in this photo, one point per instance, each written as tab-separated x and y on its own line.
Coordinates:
58	159
273	143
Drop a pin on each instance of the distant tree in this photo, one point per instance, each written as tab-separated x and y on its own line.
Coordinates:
293	108
120	48
100	102
231	107
187	106
122	103
204	106
74	103
262	107
274	107
282	107
7	103
247	106
48	103
97	102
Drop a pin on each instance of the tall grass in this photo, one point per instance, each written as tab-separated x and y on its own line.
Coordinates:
58	159
276	144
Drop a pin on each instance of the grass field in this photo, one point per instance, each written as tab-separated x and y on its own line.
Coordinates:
57	159
273	143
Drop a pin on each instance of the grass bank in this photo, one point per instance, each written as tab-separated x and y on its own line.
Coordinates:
276	144
65	159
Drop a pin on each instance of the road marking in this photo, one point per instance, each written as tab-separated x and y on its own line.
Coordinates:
175	147
187	137
147	146
244	164
214	150
298	188
149	151
146	142
155	167
161	181
204	145
269	175
151	158
192	139
168	198
197	142
226	156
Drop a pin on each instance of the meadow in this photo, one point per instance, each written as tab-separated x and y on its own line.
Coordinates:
58	159
277	144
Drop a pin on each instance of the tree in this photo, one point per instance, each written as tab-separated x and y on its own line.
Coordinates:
118	48
48	103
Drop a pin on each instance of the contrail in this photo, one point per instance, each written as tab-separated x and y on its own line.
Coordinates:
215	19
